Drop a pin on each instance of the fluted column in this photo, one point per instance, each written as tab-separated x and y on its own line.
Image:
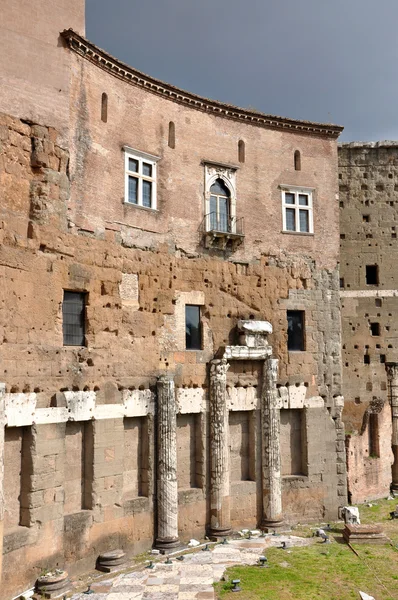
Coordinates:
2	426
271	453
220	521
167	491
392	374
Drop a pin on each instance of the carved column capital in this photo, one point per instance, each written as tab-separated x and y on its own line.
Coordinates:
271	371
219	368
392	371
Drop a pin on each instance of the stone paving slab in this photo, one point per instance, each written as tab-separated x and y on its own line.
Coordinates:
190	579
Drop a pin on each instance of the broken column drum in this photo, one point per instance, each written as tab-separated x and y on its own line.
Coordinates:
392	373
271	458
220	523
167	490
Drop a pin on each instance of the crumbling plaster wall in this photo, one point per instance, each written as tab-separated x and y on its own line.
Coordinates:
368	178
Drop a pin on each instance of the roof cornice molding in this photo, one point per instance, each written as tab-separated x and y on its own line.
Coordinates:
115	67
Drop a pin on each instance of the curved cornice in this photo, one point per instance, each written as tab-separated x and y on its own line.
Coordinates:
115	67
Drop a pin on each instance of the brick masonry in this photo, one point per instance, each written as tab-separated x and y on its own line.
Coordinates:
80	437
368	215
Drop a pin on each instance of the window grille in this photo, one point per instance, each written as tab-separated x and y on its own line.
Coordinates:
74	316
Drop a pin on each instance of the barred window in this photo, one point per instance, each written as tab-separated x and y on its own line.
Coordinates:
74	318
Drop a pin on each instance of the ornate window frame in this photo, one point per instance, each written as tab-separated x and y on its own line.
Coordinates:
227	173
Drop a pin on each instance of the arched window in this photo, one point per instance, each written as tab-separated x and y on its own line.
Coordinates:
172	135
241	151
297	161
220	210
104	107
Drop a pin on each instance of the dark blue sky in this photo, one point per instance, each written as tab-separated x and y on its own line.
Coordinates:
321	60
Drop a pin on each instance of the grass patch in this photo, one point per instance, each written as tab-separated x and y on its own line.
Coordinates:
325	571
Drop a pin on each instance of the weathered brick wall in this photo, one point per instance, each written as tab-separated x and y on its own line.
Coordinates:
34	63
88	484
81	495
368	178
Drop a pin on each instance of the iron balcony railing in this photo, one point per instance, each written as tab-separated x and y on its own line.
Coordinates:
218	223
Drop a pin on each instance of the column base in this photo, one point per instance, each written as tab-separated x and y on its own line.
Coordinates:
271	526
167	544
219	532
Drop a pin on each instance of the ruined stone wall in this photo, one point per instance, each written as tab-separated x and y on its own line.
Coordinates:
80	439
368	219
80	490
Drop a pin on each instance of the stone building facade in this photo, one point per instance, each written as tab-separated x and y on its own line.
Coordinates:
368	181
155	248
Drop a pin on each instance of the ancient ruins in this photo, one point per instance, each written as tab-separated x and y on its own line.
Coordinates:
170	312
369	301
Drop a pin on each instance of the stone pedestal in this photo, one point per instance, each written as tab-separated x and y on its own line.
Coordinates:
2	426
392	373
220	521
167	491
271	459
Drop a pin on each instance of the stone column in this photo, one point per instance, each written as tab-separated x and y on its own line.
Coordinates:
220	520
2	426
271	454
392	374
167	491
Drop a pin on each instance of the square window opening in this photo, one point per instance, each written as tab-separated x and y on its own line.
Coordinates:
193	330
375	328
295	330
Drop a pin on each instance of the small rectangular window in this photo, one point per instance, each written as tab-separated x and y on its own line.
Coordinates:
74	318
366	359
341	283
375	328
295	330
372	275
193	333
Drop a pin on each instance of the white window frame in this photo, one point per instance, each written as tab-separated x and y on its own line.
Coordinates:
140	157
309	192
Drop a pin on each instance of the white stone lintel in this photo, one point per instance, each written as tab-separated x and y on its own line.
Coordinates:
190	400
261	327
246	353
21	410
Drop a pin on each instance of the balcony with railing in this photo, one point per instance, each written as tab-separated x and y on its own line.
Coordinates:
222	231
